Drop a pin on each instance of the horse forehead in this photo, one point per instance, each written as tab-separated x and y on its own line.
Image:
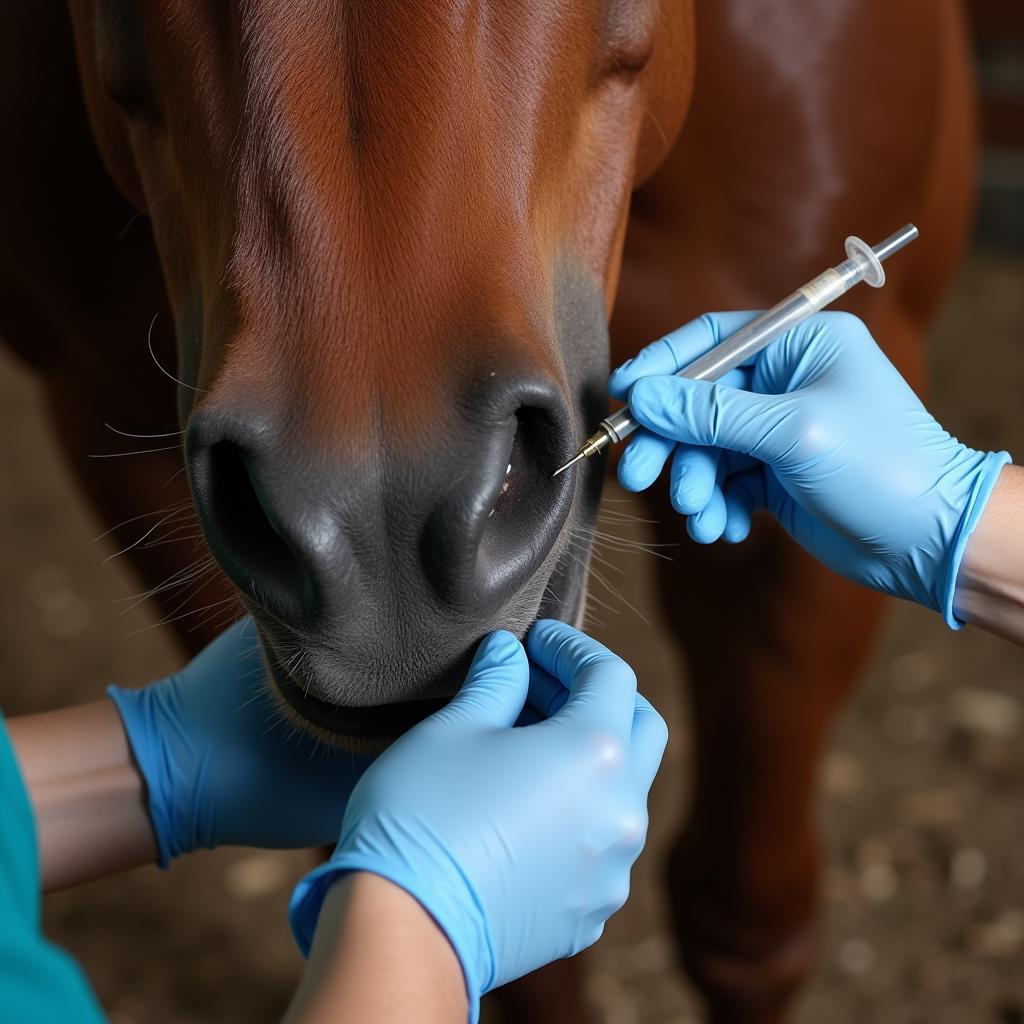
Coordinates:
370	42
355	112
410	55
404	31
483	21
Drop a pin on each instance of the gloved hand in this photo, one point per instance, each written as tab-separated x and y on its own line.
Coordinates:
221	766
823	431
517	841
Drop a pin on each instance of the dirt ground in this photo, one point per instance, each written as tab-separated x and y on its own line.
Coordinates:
922	792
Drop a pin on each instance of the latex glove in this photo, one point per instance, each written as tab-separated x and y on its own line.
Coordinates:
695	484
832	441
221	765
518	841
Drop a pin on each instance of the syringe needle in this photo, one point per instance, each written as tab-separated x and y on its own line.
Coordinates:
571	462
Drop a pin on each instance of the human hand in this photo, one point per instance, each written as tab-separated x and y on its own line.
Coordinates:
517	841
221	765
821	430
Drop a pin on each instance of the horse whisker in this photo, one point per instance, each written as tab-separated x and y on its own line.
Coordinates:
176	579
125	433
625	517
629	540
176	473
155	526
170	540
145	515
593	554
144	451
149	345
166	621
611	588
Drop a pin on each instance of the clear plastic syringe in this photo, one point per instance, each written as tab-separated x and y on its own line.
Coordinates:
863	263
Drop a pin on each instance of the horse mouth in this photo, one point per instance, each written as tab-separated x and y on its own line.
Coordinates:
300	670
379	722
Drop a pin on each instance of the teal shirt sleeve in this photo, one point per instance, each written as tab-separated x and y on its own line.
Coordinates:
39	983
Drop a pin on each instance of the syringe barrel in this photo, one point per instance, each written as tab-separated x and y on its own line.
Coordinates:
764	329
744	343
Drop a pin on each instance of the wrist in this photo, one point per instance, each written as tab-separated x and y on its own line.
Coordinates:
140	714
370	932
443	894
983	483
989	589
87	796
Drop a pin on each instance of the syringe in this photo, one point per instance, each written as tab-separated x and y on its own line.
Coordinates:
863	263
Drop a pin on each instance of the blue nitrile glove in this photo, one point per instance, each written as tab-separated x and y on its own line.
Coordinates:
518	841
220	764
828	437
694	488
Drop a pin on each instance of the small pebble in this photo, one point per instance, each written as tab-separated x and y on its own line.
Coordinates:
855	956
1001	937
879	882
986	712
967	868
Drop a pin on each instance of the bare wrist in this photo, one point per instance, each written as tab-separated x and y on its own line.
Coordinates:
370	932
990	584
87	795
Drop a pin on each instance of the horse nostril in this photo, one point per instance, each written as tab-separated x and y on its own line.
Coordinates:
239	525
293	525
493	530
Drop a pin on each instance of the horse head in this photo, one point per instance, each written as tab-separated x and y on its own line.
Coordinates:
390	233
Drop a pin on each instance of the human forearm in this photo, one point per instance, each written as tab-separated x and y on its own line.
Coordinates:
88	797
990	584
371	932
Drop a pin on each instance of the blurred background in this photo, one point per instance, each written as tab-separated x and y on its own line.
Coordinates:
922	792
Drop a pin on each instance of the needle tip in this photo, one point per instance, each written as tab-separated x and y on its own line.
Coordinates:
571	462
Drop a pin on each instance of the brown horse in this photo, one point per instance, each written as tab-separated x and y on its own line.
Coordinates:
390	238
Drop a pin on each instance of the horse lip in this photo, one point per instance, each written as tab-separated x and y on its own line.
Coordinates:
388	721
380	721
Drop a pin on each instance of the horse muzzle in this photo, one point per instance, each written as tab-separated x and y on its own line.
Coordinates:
373	569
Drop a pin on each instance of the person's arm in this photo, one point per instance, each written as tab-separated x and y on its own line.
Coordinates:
200	759
821	430
990	584
91	820
370	934
86	792
38	981
516	839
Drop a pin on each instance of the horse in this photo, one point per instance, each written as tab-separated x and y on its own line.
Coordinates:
349	276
